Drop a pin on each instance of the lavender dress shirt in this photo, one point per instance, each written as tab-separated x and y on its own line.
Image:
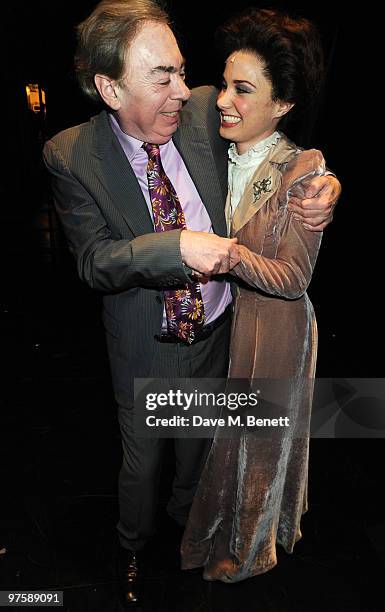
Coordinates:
216	294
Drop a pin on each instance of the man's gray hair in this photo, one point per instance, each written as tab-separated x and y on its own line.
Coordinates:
105	36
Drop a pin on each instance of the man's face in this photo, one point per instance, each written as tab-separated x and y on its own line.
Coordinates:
152	89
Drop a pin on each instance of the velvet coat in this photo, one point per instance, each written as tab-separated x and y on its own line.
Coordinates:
253	489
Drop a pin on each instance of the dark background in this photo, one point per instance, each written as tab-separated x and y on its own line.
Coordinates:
59	441
39	42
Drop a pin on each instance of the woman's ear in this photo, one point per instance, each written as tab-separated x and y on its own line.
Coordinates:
282	108
107	90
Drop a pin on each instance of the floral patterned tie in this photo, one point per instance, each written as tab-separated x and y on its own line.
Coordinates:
184	306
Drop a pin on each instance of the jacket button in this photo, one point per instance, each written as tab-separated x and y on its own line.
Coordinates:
158	299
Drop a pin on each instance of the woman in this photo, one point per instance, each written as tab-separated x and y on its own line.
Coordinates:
253	490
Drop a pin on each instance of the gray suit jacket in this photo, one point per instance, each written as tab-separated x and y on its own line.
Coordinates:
109	229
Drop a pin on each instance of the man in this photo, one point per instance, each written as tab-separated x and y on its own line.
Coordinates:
110	180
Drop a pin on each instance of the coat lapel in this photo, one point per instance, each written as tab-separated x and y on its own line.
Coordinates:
262	186
193	145
119	177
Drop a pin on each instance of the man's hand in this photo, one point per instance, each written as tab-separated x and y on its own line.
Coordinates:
316	210
208	253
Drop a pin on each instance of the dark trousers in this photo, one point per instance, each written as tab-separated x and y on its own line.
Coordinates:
142	457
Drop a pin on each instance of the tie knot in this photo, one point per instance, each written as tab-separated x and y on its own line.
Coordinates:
152	150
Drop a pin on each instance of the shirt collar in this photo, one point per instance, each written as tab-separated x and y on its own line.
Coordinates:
256	153
130	145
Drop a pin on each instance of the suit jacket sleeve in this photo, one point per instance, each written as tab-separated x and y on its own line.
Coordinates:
105	263
289	273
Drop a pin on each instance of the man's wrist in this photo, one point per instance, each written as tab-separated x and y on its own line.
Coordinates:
191	274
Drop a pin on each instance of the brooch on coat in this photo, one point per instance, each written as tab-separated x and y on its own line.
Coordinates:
262	186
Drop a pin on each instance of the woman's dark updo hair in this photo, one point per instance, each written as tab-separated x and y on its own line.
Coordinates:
290	49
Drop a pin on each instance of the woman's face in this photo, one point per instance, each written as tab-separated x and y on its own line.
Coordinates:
248	113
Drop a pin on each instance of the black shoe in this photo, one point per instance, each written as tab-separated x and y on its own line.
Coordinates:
128	576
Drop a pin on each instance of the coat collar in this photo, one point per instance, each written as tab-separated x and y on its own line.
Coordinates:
262	186
119	177
193	145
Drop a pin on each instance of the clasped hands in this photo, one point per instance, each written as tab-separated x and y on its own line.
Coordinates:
208	254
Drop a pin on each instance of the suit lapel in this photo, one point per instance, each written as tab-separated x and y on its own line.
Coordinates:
193	145
119	178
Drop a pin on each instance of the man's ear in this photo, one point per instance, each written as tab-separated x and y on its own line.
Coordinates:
282	108
107	89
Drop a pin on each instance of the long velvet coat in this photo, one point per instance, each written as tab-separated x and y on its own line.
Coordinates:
253	489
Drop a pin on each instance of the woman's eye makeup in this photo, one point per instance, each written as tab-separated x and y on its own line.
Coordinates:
240	89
